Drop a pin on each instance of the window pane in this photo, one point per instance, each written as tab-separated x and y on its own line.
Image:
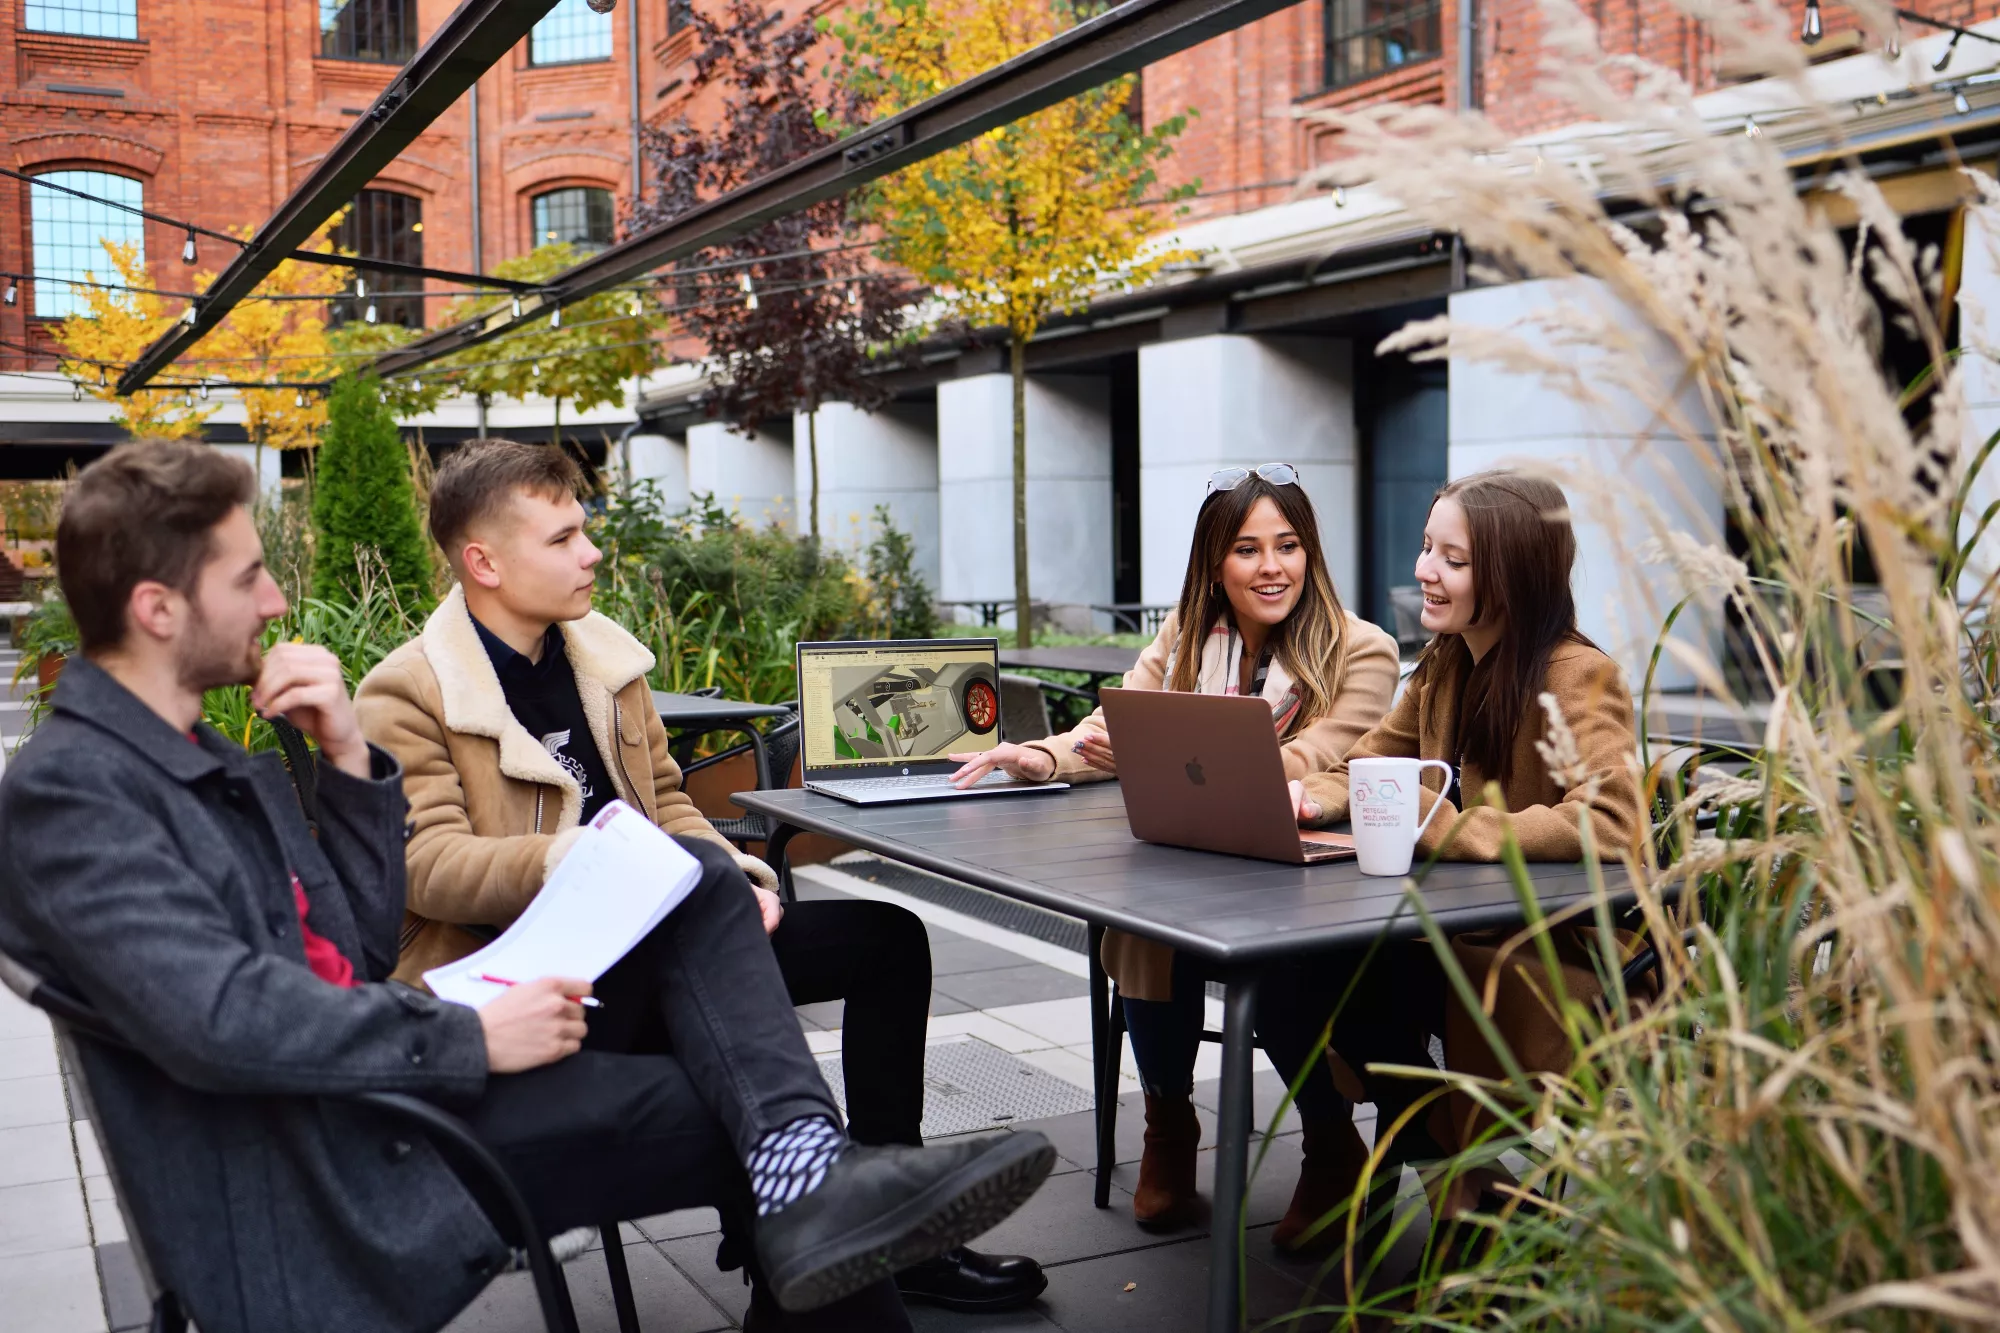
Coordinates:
84	18
379	30
580	216
1369	37
383	225
568	33
68	234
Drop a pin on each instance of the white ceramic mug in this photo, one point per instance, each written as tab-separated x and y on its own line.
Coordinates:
1382	801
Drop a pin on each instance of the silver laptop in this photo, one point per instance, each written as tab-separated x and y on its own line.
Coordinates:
878	717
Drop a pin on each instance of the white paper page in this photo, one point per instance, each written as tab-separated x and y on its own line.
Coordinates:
620	879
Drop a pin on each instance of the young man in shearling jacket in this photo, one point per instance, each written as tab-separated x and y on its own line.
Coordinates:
519	712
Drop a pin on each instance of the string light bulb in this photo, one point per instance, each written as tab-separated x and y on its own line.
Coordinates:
369	313
535	369
635	309
1959	104
1895	48
1813	29
204	391
1950	49
101	380
749	291
187	250
1751	129
300	401
1340	196
13	293
555	318
76	391
188	316
517	307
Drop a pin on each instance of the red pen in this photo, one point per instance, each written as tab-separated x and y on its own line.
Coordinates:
587	1001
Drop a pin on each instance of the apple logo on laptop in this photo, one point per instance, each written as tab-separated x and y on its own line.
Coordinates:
1194	773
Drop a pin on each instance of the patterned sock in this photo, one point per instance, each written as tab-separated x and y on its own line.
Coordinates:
789	1163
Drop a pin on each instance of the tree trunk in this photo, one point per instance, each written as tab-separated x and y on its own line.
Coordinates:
812	460
1017	364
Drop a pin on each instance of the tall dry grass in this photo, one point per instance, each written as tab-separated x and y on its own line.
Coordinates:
1803	1129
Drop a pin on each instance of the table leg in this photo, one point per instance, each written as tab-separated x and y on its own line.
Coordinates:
1100	1047
1232	1155
776	858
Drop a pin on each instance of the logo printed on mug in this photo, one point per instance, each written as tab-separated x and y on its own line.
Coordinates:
1384	797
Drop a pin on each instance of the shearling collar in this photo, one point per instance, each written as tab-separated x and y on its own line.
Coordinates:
604	657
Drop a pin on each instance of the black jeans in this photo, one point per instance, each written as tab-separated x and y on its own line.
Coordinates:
1293	1001
876	957
1395	1006
695	1055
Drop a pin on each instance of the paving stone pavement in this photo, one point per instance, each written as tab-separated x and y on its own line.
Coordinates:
66	1265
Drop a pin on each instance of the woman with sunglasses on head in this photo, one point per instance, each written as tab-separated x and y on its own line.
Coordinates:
1495	573
1258	614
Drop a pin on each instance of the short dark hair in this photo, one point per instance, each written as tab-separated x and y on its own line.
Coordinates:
477	479
146	510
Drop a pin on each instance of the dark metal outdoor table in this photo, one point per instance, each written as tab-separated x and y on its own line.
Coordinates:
1100	662
697	713
1072	852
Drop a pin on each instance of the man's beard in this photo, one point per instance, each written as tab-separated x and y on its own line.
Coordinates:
210	661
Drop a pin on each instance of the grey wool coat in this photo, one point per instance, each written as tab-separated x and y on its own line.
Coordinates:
149	873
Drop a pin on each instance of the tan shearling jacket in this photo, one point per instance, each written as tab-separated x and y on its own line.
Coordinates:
1365	684
491	811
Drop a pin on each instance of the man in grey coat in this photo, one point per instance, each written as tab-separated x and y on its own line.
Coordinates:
150	865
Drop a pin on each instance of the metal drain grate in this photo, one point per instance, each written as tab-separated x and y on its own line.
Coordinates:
971	1086
1036	923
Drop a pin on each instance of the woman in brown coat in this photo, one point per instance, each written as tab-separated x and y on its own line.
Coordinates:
1258	614
1506	655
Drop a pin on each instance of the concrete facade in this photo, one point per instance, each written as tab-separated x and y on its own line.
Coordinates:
662	460
867	459
1068	482
1643	472
1979	326
1226	400
749	475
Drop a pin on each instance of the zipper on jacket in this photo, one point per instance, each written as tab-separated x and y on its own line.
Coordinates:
539	793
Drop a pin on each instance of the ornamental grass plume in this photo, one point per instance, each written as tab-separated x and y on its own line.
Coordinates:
1802	1128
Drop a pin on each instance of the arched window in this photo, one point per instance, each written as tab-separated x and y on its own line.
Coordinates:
579	215
569	33
383	31
83	18
383	225
69	234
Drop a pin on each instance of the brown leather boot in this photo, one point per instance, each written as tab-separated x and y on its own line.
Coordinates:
1165	1199
1334	1157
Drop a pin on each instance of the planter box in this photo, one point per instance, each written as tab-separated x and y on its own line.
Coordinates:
48	667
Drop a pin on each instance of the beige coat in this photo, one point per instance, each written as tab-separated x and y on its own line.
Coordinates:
1363	687
491	811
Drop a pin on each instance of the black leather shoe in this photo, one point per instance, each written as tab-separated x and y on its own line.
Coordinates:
962	1279
881	1210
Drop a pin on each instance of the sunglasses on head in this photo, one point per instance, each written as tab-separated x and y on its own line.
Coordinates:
1229	478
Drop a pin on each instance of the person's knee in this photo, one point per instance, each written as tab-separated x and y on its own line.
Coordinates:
905	945
719	872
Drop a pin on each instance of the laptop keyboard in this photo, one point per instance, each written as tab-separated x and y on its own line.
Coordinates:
919	782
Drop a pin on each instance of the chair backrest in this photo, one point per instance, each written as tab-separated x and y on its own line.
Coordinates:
1024	713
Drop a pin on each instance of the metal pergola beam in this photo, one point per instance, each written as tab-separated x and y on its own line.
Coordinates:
1127	38
469	43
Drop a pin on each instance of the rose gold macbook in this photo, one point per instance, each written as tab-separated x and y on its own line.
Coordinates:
1203	771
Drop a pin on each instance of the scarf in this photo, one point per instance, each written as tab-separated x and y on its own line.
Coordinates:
1222	668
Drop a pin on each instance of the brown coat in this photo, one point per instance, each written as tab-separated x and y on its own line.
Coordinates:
1545	814
491	811
1363	687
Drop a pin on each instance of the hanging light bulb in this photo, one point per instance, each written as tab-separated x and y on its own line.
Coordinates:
854	293
1959	104
13	294
76	391
517	307
1751	129
369	313
1950	49
1813	29
300	401
101	380
189	316
535	369
1340	196
204	391
361	286
635	309
749	291
187	250
1895	48
187	399
555	318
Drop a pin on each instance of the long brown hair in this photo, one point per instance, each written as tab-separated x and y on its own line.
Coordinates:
1523	550
1309	642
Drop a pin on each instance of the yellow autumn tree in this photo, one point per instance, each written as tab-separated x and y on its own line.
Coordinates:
276	335
109	332
1027	221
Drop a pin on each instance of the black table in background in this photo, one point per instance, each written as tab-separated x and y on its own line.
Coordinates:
1072	852
1100	662
696	714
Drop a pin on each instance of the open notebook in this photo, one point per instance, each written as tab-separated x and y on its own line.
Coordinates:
621	878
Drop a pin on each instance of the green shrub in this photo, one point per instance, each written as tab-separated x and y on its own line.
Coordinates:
363	499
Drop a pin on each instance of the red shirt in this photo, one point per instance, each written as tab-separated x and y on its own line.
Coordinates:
325	959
